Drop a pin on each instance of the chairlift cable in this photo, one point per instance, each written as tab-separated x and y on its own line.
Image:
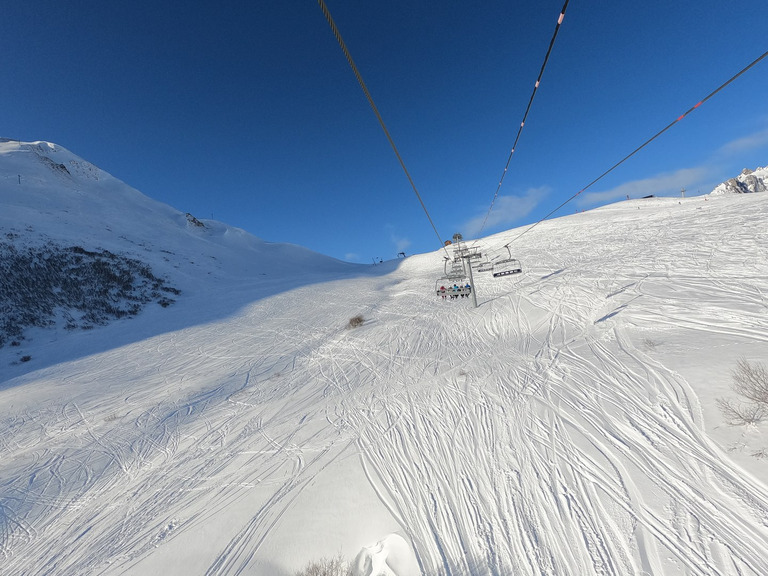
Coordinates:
643	145
360	81
525	116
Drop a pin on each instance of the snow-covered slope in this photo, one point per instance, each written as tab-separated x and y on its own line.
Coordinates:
54	202
568	425
746	182
48	191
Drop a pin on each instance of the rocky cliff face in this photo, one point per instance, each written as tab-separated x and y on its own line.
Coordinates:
747	182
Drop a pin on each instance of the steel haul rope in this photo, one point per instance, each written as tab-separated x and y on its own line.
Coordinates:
644	144
360	81
525	116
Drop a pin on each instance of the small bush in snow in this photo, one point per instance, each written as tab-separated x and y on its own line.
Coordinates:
326	567
750	382
650	344
356	321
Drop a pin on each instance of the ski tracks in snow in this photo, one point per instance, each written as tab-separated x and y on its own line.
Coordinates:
543	441
532	435
115	475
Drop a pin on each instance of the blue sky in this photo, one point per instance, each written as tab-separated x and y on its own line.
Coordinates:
248	112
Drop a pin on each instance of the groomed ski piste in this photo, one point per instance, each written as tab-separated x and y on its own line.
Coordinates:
566	426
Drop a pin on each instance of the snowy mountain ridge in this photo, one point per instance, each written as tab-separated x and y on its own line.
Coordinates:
67	224
749	181
42	174
567	425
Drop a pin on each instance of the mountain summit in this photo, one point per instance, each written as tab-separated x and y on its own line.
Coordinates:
747	182
79	248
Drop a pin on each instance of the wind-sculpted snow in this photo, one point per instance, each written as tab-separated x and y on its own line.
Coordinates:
390	555
565	426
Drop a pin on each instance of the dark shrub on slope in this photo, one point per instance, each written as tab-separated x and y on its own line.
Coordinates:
43	285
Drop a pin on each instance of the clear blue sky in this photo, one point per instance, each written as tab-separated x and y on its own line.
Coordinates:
248	112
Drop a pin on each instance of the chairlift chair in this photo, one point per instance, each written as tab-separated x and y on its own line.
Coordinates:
485	266
452	287
454	268
474	256
507	266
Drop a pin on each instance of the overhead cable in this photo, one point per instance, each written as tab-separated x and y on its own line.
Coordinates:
340	40
525	116
643	145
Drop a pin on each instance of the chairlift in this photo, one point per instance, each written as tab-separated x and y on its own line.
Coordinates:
474	256
461	250
485	266
507	266
477	260
454	268
451	288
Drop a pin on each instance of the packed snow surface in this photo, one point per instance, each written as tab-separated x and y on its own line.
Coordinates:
567	425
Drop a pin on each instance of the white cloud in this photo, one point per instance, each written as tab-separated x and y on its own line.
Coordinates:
661	184
749	142
400	243
671	182
506	211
